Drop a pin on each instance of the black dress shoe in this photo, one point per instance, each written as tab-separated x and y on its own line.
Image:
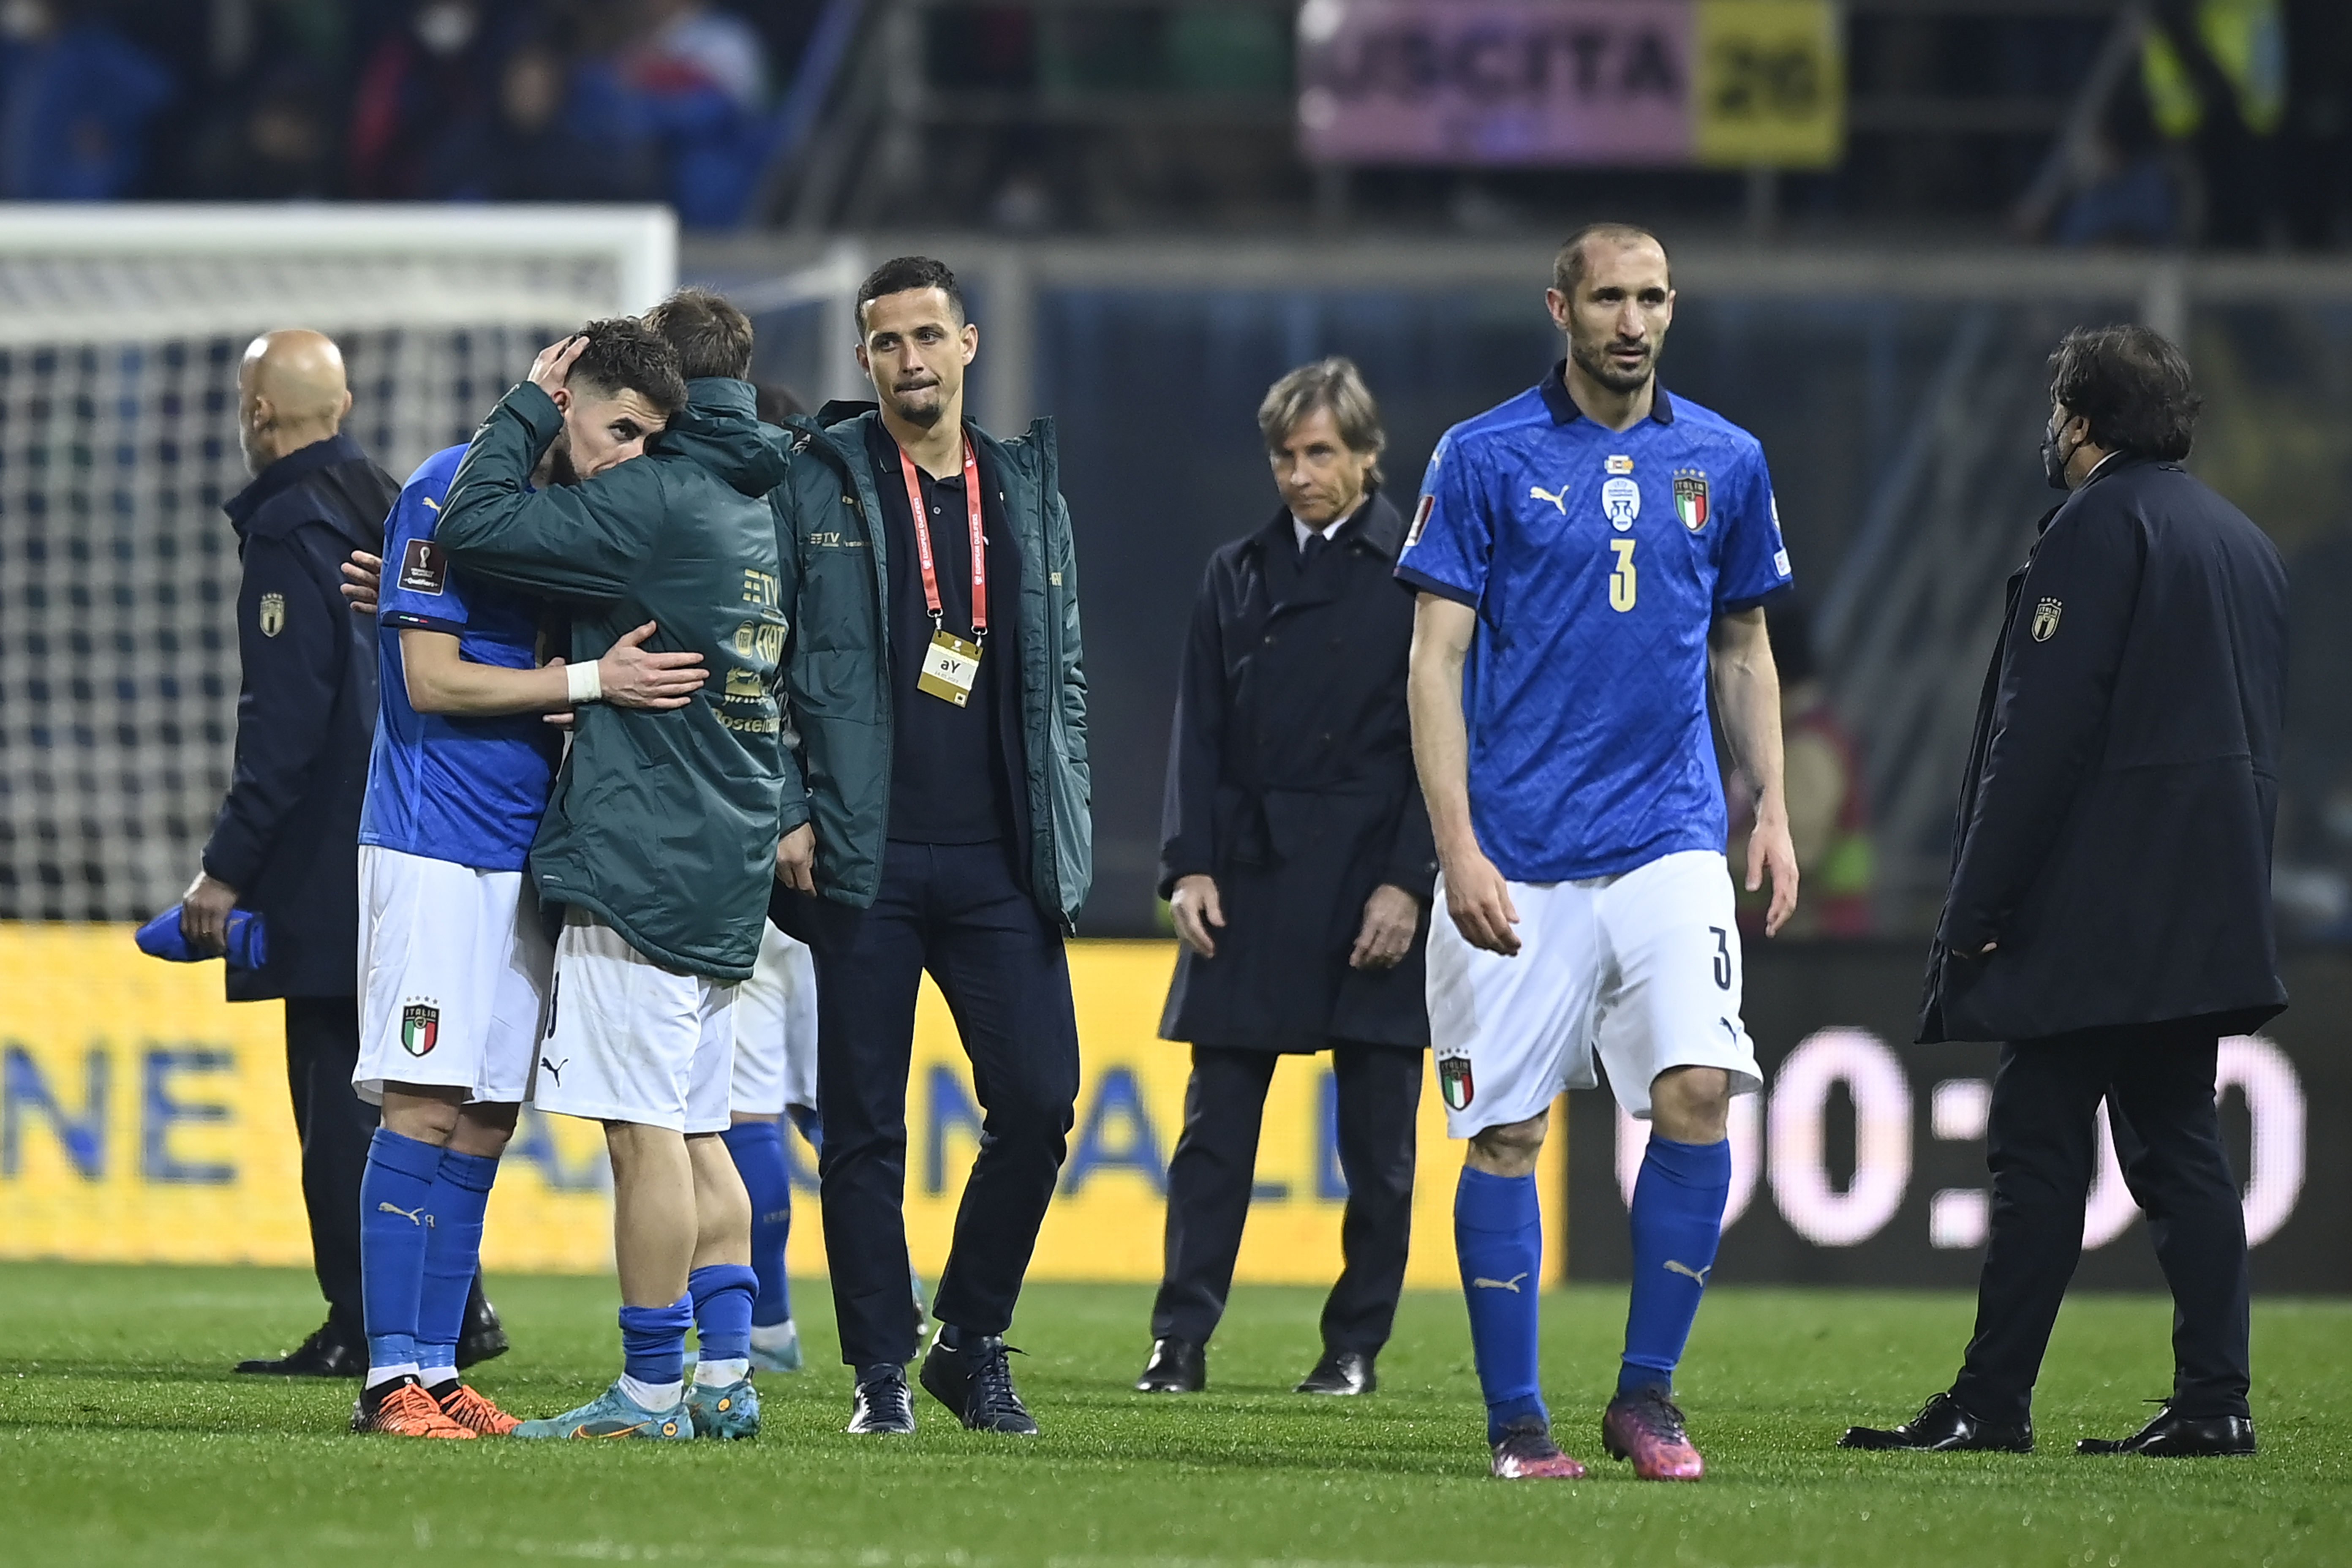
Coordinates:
1177	1366
883	1406
1340	1372
973	1378
483	1337
2172	1437
1943	1427
332	1350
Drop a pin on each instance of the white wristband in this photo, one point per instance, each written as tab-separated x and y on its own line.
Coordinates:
582	683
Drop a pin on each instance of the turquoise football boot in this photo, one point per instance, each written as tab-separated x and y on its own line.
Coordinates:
614	1413
727	1412
782	1354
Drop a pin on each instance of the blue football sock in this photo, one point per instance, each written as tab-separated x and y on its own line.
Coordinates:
395	1200
1498	1237
722	1294
653	1341
758	1148
1677	1220
453	1253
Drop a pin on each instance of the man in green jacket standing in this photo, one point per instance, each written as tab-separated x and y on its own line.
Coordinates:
660	841
936	818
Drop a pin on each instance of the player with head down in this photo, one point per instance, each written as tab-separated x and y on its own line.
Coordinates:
660	841
453	961
1588	557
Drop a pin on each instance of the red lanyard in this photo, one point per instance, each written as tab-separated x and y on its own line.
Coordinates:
923	538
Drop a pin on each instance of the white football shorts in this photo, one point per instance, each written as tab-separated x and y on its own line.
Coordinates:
1639	970
629	1040
452	977
775	1029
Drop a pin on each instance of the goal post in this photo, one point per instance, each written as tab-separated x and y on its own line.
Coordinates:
121	332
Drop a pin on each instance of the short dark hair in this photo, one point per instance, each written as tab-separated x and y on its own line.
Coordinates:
624	355
712	337
1567	265
2132	386
901	273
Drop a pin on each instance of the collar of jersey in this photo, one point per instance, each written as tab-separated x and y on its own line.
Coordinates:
1564	410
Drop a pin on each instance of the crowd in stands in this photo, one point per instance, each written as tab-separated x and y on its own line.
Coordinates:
395	100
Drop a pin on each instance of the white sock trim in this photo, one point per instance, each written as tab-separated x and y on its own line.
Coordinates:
378	1375
721	1373
435	1377
653	1397
775	1336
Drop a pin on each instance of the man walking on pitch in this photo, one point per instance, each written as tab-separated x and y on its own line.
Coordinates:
935	681
660	841
1589	555
2109	916
453	959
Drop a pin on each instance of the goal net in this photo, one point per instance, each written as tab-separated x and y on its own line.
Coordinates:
121	332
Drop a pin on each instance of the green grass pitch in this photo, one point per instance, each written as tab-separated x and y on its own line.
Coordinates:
124	1438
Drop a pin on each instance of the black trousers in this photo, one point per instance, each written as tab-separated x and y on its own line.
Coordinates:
959	911
322	1047
2158	1081
1215	1167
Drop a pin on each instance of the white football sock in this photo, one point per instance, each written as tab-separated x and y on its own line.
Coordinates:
653	1396
435	1377
775	1336
378	1375
720	1373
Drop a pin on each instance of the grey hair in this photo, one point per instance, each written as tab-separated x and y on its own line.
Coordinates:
1333	383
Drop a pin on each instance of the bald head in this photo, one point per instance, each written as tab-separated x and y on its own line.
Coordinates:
290	394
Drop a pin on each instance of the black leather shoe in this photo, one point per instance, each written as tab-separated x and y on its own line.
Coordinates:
2171	1436
332	1350
883	1406
975	1379
1177	1366
483	1337
1943	1427
1340	1372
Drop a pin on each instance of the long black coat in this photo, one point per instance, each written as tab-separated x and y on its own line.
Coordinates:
1290	781
2116	819
287	836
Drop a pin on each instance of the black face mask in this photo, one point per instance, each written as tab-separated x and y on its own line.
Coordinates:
2053	461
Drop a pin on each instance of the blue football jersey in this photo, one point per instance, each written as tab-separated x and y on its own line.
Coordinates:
1597	562
469	790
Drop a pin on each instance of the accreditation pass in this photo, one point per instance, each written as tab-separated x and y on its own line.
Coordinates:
951	667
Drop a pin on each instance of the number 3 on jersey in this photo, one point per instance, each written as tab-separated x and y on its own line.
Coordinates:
1621	580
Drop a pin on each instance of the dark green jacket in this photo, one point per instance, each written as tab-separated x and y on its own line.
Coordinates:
837	663
663	824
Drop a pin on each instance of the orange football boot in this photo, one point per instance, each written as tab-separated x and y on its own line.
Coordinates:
404	1410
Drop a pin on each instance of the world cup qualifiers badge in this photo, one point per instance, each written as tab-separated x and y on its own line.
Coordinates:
1690	498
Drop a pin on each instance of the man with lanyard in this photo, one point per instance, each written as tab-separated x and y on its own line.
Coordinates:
934	680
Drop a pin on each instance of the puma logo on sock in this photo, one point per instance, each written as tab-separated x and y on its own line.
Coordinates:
414	1216
1698	1274
1512	1284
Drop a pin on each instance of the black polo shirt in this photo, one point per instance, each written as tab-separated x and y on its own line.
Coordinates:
952	769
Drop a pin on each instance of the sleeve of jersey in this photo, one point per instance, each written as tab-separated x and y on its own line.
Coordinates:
1446	550
1755	557
419	590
